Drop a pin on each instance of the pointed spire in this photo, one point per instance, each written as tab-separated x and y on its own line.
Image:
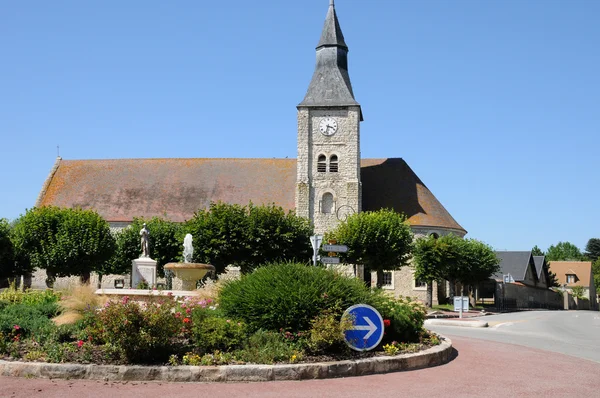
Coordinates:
330	85
332	33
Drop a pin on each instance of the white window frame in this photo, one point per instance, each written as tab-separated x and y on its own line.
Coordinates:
389	286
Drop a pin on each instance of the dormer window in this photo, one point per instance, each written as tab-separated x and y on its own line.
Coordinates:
571	278
333	164
322	164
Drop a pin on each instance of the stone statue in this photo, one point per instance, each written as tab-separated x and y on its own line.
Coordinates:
188	249
145	234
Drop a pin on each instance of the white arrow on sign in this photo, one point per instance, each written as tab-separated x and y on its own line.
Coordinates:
330	260
370	327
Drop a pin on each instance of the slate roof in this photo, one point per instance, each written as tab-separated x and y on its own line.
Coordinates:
330	84
514	263
175	188
539	265
582	269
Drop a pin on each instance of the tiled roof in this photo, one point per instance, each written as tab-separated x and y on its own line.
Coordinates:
175	188
582	269
539	264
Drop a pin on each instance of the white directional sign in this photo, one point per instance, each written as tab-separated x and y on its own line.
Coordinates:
335	248
330	260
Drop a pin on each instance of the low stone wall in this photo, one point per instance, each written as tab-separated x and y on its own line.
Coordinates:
521	296
434	356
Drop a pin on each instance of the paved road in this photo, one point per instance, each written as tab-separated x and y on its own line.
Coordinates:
479	369
575	333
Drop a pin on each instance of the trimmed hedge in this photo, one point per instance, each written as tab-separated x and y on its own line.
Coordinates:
289	296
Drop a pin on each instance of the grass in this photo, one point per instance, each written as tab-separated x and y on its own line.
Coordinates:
75	301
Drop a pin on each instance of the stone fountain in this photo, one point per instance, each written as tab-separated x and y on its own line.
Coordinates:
188	272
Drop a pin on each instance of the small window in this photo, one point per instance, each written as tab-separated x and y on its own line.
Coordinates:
434	235
387	279
327	203
420	284
322	164
570	278
333	164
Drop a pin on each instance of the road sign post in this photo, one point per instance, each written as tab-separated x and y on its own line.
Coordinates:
367	327
315	241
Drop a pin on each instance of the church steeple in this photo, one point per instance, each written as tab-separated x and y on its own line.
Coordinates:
330	84
332	33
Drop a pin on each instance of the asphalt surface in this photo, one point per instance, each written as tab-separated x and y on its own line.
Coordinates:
575	333
479	369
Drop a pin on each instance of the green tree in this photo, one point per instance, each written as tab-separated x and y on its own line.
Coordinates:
380	240
592	249
62	241
432	256
596	273
536	251
165	242
564	251
7	251
248	236
477	263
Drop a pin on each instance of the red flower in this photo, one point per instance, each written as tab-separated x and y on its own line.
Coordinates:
386	323
17	327
79	343
186	320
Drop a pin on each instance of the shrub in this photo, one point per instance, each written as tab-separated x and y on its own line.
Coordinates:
213	333
30	318
75	301
327	334
289	296
141	334
14	296
7	251
267	347
405	317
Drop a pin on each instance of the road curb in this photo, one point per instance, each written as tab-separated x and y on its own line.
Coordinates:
434	356
450	322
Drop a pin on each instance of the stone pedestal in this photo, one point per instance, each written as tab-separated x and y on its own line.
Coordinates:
143	269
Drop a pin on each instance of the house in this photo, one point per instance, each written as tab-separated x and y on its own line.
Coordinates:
327	182
522	282
576	273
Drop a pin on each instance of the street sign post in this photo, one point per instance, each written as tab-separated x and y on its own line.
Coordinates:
335	248
315	241
330	260
367	327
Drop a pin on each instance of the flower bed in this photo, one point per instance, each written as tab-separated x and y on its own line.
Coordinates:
211	330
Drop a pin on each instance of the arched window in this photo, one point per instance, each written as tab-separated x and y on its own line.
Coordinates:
333	164
322	164
327	203
434	235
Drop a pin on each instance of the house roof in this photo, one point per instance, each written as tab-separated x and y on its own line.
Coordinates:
582	269
539	265
175	188
514	263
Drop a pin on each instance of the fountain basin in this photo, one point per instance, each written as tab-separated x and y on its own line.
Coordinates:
189	273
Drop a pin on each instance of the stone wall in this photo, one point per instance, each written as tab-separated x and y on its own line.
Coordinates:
529	297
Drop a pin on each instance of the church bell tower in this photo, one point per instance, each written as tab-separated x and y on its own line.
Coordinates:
328	186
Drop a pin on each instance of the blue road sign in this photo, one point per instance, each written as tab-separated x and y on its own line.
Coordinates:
367	327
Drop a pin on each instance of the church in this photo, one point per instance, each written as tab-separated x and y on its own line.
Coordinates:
327	182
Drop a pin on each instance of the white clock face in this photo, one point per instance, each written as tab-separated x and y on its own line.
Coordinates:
328	126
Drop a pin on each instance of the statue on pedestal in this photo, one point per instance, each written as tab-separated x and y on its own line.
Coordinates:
145	234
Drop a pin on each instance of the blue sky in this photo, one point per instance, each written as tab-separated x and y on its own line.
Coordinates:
494	104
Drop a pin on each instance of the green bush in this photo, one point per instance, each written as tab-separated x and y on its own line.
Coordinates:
28	318
289	296
33	297
327	334
214	333
266	347
405	317
143	335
